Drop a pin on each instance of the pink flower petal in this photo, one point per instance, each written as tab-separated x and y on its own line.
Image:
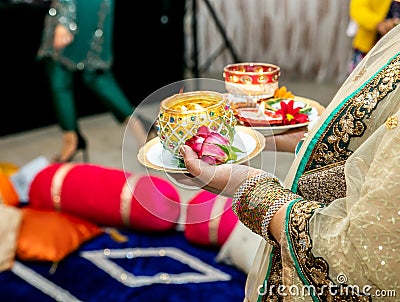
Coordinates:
213	151
195	143
203	131
216	138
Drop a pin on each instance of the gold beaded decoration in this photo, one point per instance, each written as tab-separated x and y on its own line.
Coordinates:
391	122
258	199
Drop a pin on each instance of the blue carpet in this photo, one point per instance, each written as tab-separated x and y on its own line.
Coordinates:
149	267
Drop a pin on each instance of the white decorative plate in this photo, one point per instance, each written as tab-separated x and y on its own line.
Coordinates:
154	156
298	102
273	130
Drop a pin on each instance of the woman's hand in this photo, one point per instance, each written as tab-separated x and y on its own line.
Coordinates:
222	179
386	25
62	37
285	142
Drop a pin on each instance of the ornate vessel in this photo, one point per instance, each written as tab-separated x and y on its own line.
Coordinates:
182	114
257	80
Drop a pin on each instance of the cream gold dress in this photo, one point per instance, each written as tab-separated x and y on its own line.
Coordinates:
341	238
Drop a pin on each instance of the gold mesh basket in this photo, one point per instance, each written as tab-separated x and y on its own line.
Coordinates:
182	114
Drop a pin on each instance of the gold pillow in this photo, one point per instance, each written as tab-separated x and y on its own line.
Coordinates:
46	235
10	222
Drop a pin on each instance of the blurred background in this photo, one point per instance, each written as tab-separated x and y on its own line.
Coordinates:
163	41
148	50
157	43
160	42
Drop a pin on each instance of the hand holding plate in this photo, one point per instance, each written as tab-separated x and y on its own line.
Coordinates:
221	179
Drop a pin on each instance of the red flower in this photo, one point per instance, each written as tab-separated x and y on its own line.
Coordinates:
290	115
212	147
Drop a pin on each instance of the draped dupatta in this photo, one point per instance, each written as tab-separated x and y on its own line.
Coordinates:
335	249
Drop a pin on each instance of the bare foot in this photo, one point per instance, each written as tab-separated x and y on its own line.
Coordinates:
69	147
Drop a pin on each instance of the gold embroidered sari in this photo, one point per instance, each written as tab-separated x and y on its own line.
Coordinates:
345	246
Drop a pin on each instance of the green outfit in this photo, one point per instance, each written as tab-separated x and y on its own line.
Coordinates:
90	54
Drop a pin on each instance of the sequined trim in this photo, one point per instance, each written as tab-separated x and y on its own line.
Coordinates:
39	281
349	121
331	142
323	184
64	12
126	198
104	261
96	45
248	184
314	271
199	271
391	122
57	182
273	208
273	281
258	202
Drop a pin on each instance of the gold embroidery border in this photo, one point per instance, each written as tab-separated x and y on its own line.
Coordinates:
274	278
312	270
332	145
324	168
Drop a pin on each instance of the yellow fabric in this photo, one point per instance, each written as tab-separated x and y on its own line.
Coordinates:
358	235
367	14
46	235
8	168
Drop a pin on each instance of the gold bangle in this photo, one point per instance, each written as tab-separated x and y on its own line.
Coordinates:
247	186
273	208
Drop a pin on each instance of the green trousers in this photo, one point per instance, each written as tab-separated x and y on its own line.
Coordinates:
102	83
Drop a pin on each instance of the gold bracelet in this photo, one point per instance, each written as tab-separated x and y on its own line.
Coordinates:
273	208
245	187
257	200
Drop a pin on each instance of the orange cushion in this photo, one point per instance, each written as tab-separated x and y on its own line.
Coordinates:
8	195
46	235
